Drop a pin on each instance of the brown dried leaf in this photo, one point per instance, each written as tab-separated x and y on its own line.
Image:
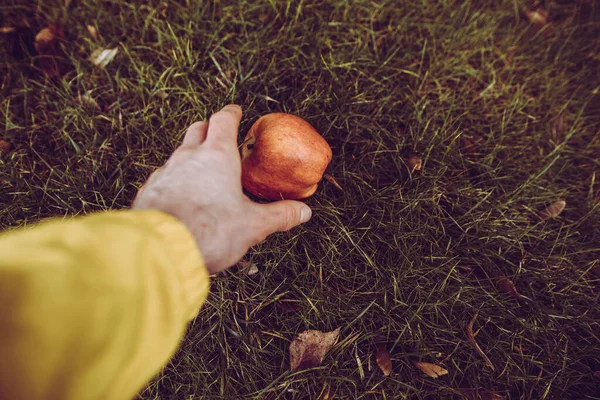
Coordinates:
6	29
559	128
505	285
332	180
45	37
432	370
247	267
383	360
414	162
308	349
537	16
289	306
251	270
265	18
161	94
468	148
471	338
47	47
93	32
5	146
481	394
553	210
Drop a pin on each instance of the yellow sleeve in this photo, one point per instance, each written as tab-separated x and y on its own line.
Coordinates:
94	307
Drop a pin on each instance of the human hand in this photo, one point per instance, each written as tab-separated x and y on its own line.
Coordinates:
201	186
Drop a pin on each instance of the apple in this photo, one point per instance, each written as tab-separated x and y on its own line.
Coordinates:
283	157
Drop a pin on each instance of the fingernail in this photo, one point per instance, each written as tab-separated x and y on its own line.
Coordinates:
305	214
233	107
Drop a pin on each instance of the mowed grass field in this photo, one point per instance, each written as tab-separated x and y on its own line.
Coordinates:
503	114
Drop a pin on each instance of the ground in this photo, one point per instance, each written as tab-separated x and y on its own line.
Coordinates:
503	114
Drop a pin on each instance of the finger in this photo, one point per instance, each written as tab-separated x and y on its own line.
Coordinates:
223	127
284	215
195	135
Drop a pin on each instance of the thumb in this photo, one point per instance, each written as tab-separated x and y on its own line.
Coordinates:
285	214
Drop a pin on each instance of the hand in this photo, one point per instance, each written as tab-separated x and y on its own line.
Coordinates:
201	186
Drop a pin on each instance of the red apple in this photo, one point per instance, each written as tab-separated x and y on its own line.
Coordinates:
283	157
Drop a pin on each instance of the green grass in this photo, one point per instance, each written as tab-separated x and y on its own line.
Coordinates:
396	257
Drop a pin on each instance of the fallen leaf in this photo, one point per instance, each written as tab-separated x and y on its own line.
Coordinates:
289	306
46	36
7	29
252	270
414	162
537	16
468	147
242	264
265	18
553	210
308	349
332	180
102	57
481	394
471	338
507	286
247	267
50	57
161	93
432	370
383	360
93	32
4	146
559	128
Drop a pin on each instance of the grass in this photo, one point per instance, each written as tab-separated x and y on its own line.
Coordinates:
504	116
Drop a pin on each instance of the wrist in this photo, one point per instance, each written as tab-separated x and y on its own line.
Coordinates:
182	249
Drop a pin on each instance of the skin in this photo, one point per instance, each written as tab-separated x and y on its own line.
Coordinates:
201	186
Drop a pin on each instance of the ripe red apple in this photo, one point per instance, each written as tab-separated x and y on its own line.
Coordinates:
283	157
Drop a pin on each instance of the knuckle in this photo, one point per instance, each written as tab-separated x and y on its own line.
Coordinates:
219	117
289	218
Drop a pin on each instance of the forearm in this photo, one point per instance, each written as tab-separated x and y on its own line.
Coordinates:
94	307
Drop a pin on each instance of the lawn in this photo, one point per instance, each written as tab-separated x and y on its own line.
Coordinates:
504	115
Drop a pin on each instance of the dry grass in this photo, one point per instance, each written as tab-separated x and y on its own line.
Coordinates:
503	115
